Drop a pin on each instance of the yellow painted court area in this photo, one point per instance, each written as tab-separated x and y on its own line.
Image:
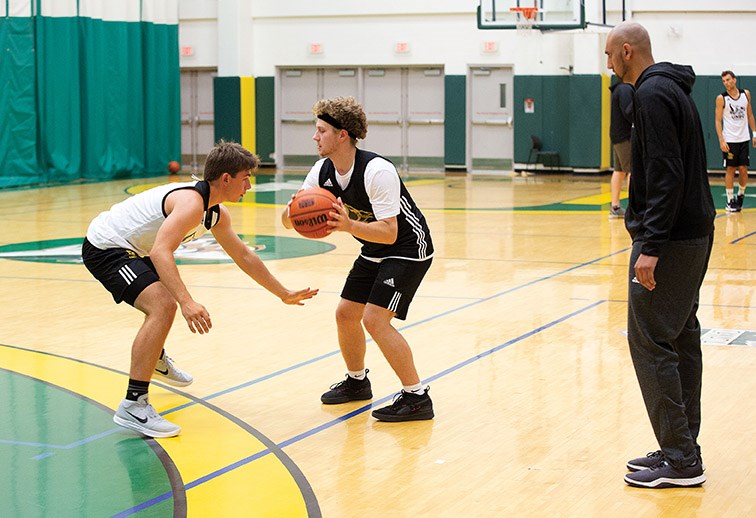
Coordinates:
212	447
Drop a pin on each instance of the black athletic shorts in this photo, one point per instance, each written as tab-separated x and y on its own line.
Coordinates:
390	284
123	273
738	154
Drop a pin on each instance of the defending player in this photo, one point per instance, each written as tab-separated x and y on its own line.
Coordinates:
129	249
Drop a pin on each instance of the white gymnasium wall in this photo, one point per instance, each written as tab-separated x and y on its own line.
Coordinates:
253	37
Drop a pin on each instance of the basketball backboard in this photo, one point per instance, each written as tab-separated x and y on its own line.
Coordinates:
540	14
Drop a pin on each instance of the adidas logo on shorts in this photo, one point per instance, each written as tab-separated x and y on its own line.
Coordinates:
389	282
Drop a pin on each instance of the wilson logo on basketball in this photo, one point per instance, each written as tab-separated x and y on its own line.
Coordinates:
313	221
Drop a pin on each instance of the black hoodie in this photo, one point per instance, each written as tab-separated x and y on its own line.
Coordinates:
670	198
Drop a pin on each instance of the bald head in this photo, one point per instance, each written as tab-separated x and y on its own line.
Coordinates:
633	34
628	50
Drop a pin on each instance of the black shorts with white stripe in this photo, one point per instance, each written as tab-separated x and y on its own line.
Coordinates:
123	273
390	284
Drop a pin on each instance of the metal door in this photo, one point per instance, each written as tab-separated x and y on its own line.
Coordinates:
425	118
385	103
491	142
300	89
404	108
197	116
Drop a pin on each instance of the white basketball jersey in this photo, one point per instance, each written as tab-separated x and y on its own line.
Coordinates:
734	119
133	223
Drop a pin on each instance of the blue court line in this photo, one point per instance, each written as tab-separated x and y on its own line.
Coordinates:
70	446
742	238
341	419
332	353
408	326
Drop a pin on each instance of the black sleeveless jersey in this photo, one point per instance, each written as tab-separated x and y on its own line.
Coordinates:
413	240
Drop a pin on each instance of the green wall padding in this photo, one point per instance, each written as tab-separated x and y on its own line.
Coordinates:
566	117
584	119
265	119
455	141
227	102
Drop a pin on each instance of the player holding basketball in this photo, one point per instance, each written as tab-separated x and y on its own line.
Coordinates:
376	209
733	116
670	217
129	249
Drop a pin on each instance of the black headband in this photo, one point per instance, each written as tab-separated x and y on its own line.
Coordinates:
333	122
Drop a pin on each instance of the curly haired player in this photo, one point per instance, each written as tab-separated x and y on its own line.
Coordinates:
374	207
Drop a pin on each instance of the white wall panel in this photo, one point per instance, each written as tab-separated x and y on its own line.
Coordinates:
160	11
58	7
365	32
202	36
19	8
120	11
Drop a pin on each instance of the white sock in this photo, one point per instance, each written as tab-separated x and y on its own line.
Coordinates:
730	193
415	389
741	190
358	375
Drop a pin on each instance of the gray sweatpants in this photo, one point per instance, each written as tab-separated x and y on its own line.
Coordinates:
665	345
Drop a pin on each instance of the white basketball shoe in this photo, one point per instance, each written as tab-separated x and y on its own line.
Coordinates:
142	417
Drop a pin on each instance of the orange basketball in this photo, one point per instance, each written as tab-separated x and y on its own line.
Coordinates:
174	166
309	210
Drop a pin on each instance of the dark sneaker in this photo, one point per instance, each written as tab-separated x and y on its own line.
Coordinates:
350	389
663	475
407	407
651	459
616	212
740	199
732	205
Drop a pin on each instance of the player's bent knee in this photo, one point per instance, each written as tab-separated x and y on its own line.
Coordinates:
157	300
376	320
347	312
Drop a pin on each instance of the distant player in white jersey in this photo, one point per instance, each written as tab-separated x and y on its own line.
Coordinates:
733	117
129	249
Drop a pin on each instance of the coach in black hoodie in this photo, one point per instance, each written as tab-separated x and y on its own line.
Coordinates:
670	217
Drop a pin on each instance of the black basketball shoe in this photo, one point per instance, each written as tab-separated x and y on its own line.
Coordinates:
407	407
350	389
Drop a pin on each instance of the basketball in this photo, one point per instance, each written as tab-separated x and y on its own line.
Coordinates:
309	210
174	167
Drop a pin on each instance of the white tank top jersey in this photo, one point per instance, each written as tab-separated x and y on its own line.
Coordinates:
734	120
133	223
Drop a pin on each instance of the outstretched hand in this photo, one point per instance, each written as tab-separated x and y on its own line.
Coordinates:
296	297
196	317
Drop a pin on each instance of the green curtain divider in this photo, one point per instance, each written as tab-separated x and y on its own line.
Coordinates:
87	99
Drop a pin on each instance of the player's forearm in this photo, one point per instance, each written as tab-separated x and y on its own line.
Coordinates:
258	272
375	231
718	127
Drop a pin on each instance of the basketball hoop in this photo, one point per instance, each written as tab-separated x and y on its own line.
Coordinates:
526	17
